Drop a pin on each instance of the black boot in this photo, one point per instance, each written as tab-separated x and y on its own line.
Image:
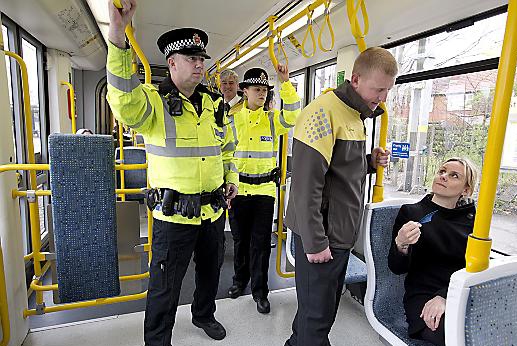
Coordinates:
235	291
263	305
213	329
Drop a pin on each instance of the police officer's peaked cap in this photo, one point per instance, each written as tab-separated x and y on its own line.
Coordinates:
189	41
255	76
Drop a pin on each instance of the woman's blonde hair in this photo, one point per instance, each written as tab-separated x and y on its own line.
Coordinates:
471	173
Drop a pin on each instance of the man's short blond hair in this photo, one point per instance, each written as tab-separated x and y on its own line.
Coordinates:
375	58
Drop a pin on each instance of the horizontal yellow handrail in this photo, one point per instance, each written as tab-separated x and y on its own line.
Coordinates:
39	193
4	307
282	27
72	105
86	304
46	167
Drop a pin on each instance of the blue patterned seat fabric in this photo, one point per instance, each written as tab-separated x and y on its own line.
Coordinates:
82	180
133	179
389	288
491	314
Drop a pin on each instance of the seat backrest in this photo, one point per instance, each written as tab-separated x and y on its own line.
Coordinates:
482	307
385	290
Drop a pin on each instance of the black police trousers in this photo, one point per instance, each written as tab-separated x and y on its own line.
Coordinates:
318	290
172	246
251	219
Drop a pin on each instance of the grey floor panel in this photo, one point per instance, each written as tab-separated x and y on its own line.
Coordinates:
244	324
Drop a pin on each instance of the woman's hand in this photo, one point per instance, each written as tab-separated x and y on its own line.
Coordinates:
407	235
433	311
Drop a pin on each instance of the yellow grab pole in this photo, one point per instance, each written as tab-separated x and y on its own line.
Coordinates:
283	167
121	158
4	308
72	105
378	188
33	201
131	37
479	242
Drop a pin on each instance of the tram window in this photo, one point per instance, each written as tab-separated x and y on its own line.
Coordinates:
447	117
324	78
31	59
481	41
298	82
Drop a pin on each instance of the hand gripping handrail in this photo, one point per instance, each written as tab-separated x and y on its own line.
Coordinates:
331	31
479	243
131	37
4	307
72	105
308	32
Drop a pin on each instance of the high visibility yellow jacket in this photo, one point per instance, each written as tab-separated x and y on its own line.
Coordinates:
188	153
257	133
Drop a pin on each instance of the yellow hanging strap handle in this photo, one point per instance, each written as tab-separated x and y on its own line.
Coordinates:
271	40
329	24
72	105
307	32
131	37
281	49
479	242
352	11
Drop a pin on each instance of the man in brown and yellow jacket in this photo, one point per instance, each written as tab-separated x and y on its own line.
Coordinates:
327	189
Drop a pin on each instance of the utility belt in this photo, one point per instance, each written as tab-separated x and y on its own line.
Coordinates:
273	176
187	205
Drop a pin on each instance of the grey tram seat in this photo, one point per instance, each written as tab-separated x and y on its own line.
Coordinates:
482	307
133	179
82	180
385	290
355	271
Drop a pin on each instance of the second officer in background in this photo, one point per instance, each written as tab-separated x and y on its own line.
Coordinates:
256	134
190	167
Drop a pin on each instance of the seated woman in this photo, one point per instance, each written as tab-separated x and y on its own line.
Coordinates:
429	243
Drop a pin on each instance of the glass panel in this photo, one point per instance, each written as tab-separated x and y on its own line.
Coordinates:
324	78
31	59
299	84
483	40
448	117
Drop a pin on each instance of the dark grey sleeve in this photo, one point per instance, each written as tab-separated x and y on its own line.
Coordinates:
308	180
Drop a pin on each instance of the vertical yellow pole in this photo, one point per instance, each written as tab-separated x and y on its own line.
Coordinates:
479	242
121	157
4	308
33	200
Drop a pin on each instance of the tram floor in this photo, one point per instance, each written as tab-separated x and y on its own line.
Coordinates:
187	289
244	325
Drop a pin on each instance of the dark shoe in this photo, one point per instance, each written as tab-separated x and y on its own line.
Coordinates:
263	305
235	291
213	329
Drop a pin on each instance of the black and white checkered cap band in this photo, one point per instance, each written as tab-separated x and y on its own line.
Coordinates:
256	81
178	45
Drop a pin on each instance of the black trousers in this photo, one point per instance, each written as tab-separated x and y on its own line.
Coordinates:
173	245
251	218
318	290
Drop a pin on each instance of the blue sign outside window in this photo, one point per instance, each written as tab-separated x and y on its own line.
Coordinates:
400	150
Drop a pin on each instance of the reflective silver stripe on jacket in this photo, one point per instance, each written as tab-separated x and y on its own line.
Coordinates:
255	154
171	149
230	146
271	116
122	84
292	106
234	130
258	175
283	122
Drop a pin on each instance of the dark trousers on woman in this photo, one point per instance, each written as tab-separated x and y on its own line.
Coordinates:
318	290
251	218
173	245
